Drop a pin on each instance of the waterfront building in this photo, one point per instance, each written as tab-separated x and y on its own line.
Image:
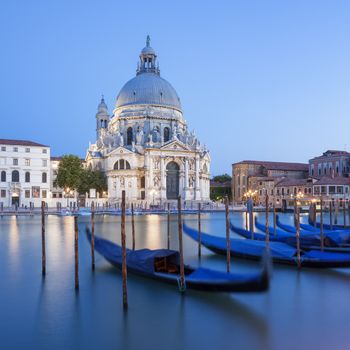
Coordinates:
331	163
145	146
25	175
261	176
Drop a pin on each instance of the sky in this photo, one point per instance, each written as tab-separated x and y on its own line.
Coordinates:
263	80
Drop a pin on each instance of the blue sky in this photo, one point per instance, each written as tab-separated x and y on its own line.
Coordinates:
257	79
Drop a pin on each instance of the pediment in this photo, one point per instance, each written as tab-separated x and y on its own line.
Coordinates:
175	145
120	151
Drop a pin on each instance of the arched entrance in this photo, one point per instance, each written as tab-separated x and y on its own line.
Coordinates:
172	180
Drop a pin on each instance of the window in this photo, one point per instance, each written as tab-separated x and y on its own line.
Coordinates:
331	189
129	136
15	149
121	165
27	193
3	193
323	189
44	150
27	176
44	193
43	177
15	176
27	162
3	149
142	182
166	134
44	162
3	176
27	150
15	161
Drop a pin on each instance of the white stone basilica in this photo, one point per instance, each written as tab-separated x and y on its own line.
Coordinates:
145	147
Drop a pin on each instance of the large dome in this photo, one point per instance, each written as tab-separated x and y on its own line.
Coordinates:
148	89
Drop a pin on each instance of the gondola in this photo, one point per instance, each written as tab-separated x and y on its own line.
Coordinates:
290	239
329	227
307	240
331	238
163	265
280	252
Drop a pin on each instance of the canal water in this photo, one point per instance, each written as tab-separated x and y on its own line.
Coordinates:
302	310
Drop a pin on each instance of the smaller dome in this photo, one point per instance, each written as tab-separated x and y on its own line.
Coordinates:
102	108
148	50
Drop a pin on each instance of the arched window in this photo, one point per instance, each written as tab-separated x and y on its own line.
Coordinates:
121	165
27	176
15	176
166	134
3	176
129	136
43	177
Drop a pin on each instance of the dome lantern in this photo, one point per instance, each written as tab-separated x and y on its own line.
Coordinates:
148	60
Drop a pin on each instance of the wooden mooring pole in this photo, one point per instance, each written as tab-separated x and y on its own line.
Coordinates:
331	214
133	226
246	220
321	224
344	212
168	226
124	268
298	237
199	230
43	246
76	251
274	219
182	285
228	241
336	212
93	236
267	233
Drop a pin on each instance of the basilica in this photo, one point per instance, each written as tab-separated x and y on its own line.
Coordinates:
145	147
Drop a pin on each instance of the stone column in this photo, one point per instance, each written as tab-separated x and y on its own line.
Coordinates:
186	186
162	179
197	195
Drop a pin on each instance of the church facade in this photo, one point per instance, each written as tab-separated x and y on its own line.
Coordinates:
145	147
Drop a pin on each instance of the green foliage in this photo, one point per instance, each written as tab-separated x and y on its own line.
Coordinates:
92	179
72	175
222	178
69	172
219	193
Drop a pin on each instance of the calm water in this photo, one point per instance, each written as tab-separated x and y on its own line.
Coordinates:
304	310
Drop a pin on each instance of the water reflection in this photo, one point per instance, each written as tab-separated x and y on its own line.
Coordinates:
309	307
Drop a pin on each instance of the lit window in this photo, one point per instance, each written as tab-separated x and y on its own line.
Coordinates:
44	194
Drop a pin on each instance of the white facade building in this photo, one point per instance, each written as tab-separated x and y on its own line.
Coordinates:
24	173
145	147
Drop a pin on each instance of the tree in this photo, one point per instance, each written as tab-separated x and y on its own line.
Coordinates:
92	179
69	172
222	178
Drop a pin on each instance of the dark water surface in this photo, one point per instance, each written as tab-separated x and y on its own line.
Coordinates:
302	310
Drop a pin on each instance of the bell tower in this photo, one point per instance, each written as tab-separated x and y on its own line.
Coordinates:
102	117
